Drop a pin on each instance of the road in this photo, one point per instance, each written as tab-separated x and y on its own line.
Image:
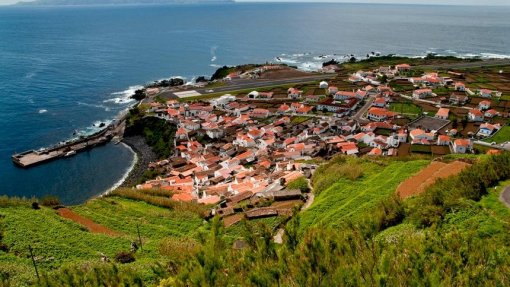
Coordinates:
257	83
503	146
484	63
359	115
505	196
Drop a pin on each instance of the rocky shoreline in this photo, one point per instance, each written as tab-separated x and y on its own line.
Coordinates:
145	156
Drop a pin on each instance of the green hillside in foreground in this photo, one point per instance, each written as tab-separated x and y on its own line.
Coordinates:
356	233
351	199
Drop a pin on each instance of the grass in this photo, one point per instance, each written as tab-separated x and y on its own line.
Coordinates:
503	135
406	109
346	199
299	120
59	242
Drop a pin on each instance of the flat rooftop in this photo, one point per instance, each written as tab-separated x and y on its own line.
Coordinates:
187	94
429	123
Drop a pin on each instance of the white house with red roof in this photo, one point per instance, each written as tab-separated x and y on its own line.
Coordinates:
379	114
379	102
260	113
460	87
443	140
343	95
491	113
443	113
422	93
403	67
484	105
485	93
462	145
487	129
332	90
475	115
294	93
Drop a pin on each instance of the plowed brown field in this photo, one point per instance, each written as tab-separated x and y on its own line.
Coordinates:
426	177
87	223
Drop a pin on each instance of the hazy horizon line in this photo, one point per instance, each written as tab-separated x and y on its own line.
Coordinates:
20	3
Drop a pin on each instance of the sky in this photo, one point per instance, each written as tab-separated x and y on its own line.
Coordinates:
448	2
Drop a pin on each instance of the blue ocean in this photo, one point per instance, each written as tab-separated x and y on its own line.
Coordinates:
64	70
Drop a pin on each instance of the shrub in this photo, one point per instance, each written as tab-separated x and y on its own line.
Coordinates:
50	201
299	183
35	205
125	257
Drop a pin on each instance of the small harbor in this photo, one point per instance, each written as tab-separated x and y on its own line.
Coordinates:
31	158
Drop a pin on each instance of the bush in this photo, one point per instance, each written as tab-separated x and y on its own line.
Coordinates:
299	183
50	201
35	205
125	257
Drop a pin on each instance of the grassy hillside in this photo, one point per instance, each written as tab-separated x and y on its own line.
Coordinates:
58	242
355	234
348	199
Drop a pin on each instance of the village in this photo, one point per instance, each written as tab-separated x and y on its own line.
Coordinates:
241	153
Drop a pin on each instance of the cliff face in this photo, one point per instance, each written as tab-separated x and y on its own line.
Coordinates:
115	2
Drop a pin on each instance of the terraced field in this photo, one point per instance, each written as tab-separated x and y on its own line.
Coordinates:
347	199
425	178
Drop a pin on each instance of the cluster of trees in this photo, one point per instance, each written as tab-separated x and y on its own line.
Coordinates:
158	133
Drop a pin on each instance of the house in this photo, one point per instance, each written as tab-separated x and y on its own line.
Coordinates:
475	115
375	151
491	113
232	76
342	96
458	100
484	105
294	93
488	129
422	93
379	114
443	113
443	140
332	90
485	93
421	135
348	148
379	102
462	145
323	85
403	68
253	95
460	87
260	113
223	100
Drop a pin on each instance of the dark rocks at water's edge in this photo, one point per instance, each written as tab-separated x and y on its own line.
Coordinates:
145	156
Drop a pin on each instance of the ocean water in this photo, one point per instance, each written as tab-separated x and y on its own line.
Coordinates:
66	69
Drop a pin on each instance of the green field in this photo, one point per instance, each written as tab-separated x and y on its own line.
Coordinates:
349	199
59	242
406	109
501	136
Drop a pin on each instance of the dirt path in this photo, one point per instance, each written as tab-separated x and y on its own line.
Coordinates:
505	196
426	177
87	223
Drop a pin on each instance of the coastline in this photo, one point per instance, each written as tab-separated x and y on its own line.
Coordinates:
143	154
129	170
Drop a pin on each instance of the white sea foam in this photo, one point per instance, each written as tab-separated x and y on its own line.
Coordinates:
123	97
213	53
126	174
105	108
42	111
215	65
